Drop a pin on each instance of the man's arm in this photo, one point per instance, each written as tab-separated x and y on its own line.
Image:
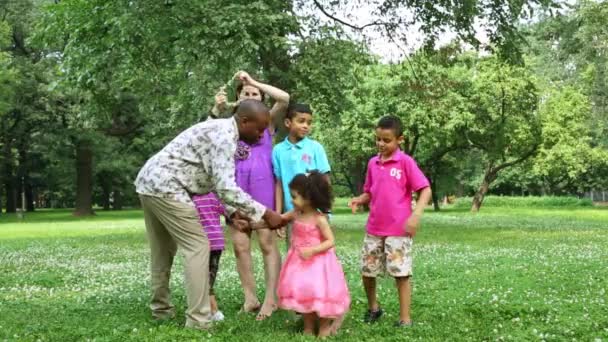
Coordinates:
222	170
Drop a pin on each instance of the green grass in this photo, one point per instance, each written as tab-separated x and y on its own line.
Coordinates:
527	202
502	274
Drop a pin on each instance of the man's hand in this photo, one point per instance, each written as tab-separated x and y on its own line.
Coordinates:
240	222
287	217
241	225
273	219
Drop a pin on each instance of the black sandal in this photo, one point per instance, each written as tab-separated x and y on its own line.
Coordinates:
372	316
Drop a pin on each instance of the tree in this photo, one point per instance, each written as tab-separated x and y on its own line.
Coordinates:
569	49
568	55
429	94
566	154
504	122
160	54
6	74
7	79
324	69
396	19
25	114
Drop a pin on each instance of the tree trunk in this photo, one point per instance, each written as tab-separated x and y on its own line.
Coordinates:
357	184
23	179
488	178
84	179
30	206
106	189
436	206
9	179
355	177
118	200
460	191
11	195
434	197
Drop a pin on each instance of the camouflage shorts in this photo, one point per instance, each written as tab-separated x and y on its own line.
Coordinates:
390	254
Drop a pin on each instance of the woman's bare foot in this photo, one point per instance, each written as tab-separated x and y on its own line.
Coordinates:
266	311
250	307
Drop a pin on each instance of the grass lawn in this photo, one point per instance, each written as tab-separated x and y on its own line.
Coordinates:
502	274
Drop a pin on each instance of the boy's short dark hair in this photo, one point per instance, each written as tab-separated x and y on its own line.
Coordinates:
391	122
297	108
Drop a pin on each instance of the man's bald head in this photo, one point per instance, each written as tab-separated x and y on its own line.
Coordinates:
251	108
252	117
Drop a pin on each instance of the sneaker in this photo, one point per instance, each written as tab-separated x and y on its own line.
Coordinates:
403	324
372	316
218	316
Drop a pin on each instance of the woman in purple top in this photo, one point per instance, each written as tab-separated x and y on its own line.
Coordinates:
254	175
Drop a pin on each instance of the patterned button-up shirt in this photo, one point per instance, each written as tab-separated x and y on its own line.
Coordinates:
198	161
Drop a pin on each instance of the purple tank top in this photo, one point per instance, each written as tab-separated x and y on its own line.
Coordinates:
255	175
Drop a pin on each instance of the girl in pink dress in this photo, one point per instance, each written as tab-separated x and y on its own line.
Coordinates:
311	280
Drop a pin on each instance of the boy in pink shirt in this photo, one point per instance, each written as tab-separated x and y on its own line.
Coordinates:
392	177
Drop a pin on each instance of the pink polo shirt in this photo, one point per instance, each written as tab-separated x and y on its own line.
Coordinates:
390	184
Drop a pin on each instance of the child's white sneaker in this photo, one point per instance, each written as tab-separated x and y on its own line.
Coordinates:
218	316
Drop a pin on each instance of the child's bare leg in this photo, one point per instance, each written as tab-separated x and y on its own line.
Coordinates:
324	327
405	297
370	291
309	323
337	323
213	304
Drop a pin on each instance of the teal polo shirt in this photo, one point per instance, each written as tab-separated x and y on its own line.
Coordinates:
290	159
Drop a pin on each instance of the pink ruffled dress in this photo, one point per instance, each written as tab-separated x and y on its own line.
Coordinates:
313	285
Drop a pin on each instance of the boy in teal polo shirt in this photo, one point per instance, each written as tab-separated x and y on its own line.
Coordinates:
296	154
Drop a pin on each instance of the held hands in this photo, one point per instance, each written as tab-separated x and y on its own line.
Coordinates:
412	225
241	222
241	225
274	220
282	232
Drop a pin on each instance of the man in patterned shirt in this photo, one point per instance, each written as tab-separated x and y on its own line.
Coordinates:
198	161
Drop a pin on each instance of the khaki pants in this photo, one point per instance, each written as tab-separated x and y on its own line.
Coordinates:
170	224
